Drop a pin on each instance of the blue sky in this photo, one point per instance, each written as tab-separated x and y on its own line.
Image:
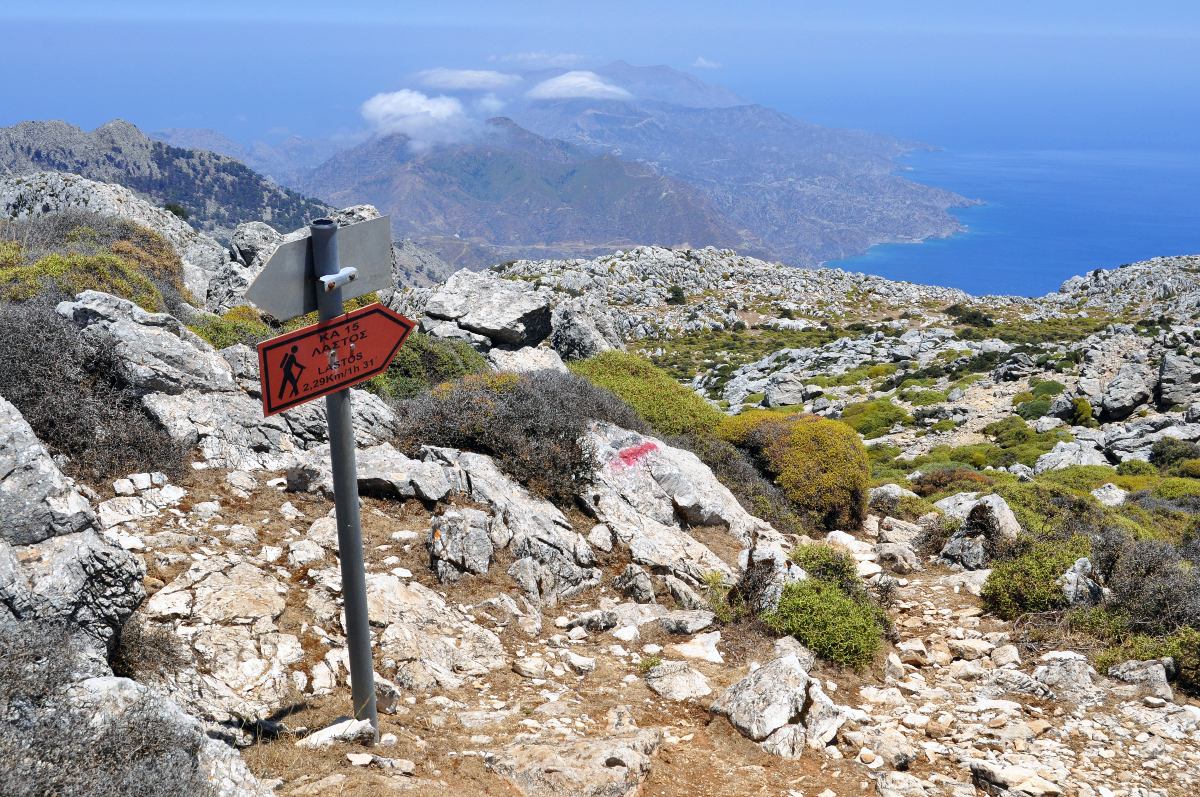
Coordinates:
1065	74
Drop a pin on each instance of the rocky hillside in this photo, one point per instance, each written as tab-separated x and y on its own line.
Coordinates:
213	191
673	522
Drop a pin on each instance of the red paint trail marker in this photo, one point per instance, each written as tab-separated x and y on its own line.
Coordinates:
329	356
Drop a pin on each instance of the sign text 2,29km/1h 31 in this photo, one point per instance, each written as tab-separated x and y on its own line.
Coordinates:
330	356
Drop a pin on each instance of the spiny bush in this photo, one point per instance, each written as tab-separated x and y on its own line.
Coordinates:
669	407
77	402
532	424
1034	409
1187	468
832	624
1029	582
425	361
1155	587
239	325
1136	467
820	465
874	418
830	564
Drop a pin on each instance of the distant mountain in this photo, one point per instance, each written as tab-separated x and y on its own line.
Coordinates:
512	194
808	193
217	191
283	161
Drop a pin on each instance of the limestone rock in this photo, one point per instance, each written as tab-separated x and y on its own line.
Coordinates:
676	680
36	500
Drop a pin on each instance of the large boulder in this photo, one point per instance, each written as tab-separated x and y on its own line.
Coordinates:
1069	454
33	195
988	523
1178	380
155	351
1127	391
506	312
582	329
432	643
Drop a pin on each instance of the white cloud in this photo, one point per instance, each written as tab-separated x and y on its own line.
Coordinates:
538	60
424	119
577	84
703	63
466	79
489	105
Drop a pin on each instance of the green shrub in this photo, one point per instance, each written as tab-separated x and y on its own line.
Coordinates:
830	564
662	402
820	465
1022	397
1173	488
874	418
950	480
923	398
649	662
1032	410
1136	467
1028	583
532	424
1167	451
832	624
1047	388
1081	413
675	295
239	325
67	275
11	254
424	362
1187	468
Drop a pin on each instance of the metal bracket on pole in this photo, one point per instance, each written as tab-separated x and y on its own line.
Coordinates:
345	485
344	277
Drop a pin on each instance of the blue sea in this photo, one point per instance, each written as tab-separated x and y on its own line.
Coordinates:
1047	215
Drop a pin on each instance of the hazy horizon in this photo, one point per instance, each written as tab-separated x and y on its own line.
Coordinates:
1077	76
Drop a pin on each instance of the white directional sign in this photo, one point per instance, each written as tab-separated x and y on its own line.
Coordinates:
287	286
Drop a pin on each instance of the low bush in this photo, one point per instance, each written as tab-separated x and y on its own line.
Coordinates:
830	564
1082	413
874	418
832	624
669	407
1029	582
239	325
58	255
820	465
1136	467
1032	410
77	402
1167	451
424	362
1046	388
1187	469
949	480
1155	587
532	424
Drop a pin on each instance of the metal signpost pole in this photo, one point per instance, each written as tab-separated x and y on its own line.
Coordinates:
345	489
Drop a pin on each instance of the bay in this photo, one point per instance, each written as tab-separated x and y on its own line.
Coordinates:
1047	215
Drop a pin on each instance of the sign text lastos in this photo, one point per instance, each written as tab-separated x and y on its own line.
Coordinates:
329	356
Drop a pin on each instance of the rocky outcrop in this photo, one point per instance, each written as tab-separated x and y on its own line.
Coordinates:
41	193
987	524
53	565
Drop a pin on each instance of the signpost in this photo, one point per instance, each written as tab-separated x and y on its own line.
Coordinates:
325	359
